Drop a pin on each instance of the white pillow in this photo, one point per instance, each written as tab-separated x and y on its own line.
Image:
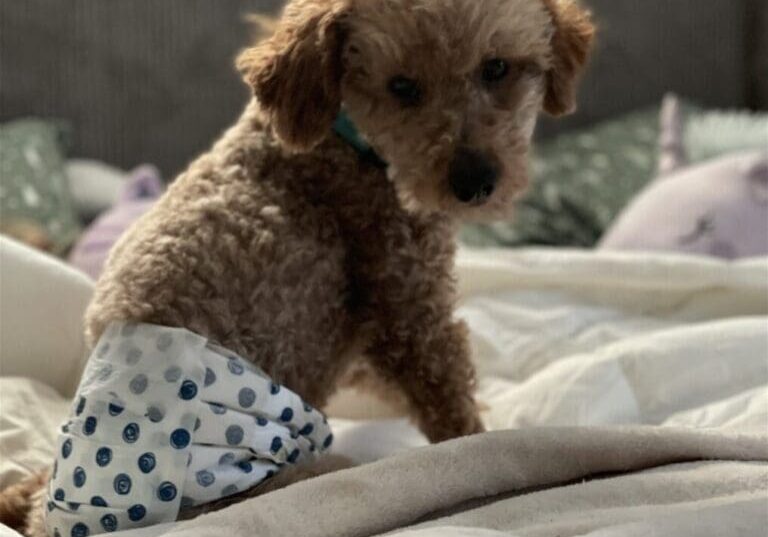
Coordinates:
93	185
42	302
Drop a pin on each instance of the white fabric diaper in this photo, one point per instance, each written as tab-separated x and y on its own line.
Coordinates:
164	419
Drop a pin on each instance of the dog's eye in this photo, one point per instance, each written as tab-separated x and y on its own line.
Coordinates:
495	70
406	90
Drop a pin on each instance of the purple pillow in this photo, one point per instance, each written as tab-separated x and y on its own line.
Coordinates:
717	208
138	195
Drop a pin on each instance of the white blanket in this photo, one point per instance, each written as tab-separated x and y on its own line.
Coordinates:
580	339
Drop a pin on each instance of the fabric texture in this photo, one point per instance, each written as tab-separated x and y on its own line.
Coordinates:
164	419
42	301
35	204
137	195
719	208
714	133
94	186
580	181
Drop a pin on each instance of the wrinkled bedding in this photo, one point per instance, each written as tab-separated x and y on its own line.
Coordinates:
628	395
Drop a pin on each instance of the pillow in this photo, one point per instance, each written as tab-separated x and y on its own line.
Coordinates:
580	182
94	186
35	206
718	208
137	196
712	134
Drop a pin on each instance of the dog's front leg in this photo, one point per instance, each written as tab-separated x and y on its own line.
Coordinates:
430	361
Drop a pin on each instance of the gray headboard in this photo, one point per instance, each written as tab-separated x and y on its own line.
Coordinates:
152	80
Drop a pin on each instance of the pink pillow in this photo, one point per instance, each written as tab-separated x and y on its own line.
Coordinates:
717	208
139	193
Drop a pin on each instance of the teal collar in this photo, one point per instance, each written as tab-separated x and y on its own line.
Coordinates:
346	130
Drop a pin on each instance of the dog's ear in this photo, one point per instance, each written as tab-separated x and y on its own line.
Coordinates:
296	74
571	45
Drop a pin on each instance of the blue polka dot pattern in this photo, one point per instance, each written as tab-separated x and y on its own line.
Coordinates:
138	384
210	377
109	522
55	468
80	530
128	330
328	441
131	433
245	466
164	342
166	492
66	448
246	397
167	393
137	512
307	429
287	414
234	435
218	409
180	438
147	462
229	490
73	506
103	456
79	477
154	414
235	367
205	478
188	390
133	357
172	374
122	484
51	506
89	427
105	373
227	459
56	533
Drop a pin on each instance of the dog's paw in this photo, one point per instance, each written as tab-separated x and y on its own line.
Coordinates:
462	421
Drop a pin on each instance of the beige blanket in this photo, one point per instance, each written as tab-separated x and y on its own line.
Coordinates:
553	482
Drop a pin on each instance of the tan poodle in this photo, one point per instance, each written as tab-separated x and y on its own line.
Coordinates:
295	247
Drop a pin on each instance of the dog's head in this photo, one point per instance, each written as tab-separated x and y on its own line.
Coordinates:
446	91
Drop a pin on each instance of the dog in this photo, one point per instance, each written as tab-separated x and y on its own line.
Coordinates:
297	244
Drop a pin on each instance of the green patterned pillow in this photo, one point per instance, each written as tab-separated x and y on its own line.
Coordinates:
716	133
580	182
34	192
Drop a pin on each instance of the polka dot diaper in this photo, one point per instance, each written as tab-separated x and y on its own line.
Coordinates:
164	419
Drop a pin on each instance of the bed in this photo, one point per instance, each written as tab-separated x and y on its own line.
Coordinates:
625	394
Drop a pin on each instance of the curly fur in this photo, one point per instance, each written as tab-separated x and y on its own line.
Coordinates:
281	244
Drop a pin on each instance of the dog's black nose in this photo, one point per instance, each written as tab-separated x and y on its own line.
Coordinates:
472	176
